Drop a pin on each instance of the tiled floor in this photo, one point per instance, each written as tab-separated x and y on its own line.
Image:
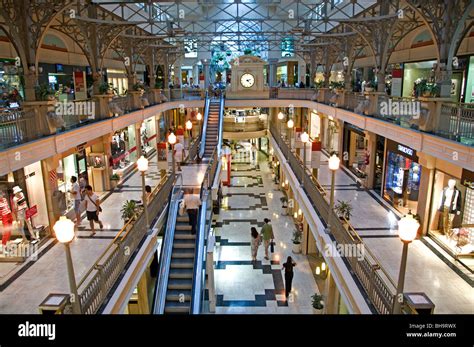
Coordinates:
451	289
244	287
26	289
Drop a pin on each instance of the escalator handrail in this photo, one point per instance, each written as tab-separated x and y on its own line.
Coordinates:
167	249
221	125
199	276
207	102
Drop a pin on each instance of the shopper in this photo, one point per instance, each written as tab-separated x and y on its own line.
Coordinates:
92	209
254	242
148	194
192	203
288	267
178	154
75	192
267	236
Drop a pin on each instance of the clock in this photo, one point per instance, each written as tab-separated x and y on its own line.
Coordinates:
247	80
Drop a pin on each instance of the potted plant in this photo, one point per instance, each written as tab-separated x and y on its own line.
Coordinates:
319	84
317	302
284	205
138	87
107	89
44	92
114	179
337	87
297	235
129	210
343	210
370	86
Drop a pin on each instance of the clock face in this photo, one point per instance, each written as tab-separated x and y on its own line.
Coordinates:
247	80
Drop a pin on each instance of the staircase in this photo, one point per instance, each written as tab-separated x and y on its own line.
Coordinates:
180	279
212	128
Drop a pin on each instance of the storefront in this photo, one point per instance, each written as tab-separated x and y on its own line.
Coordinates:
119	79
124	150
263	145
378	164
356	147
11	90
331	135
28	185
402	177
452	214
315	125
469	93
148	136
70	165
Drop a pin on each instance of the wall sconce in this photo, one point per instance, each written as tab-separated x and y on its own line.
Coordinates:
322	271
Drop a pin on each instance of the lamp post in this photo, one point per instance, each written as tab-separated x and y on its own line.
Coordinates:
142	165
407	231
280	118
334	162
290	125
305	140
189	126
64	230
172	141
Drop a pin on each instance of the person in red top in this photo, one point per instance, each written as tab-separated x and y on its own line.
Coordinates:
7	220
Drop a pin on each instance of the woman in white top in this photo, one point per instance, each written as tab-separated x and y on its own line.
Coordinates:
178	154
92	209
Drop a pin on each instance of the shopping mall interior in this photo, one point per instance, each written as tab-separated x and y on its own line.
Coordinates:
237	157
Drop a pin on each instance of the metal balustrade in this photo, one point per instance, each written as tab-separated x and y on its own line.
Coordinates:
457	122
101	277
16	127
376	282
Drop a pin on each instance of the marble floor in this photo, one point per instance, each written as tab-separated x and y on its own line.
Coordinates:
21	291
430	270
244	287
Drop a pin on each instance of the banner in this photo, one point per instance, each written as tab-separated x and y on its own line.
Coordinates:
80	88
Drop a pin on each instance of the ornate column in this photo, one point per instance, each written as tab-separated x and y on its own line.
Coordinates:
272	63
206	64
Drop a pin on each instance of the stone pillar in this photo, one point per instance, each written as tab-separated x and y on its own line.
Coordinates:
372	150
43	124
143	297
272	63
331	296
431	117
428	165
107	148
206	70
136	99
102	101
48	165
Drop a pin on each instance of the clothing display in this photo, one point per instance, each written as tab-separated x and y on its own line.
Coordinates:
7	220
450	206
20	206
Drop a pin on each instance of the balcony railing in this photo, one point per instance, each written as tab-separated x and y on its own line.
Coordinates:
101	277
16	126
376	282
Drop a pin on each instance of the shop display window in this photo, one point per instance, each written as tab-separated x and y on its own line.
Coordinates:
402	182
452	216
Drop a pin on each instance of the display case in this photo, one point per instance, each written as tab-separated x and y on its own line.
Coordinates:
96	160
96	163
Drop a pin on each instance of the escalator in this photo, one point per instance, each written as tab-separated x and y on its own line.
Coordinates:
182	280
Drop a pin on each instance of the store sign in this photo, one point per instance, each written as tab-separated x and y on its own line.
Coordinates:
467	178
406	150
316	155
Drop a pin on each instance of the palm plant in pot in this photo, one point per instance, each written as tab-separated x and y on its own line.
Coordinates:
129	210
284	205
343	210
317	302
370	86
297	235
114	179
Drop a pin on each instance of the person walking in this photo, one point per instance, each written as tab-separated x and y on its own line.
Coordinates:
254	242
92	209
267	236
192	203
288	267
75	192
178	154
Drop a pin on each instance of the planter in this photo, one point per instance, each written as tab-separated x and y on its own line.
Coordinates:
296	248
369	89
113	184
317	311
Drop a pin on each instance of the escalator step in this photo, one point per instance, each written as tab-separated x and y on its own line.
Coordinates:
180	283
181	273
177	307
177	295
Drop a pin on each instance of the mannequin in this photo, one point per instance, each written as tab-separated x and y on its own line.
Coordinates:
7	220
20	206
450	206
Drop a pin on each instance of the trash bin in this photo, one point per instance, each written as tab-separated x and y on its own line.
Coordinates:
418	303
54	304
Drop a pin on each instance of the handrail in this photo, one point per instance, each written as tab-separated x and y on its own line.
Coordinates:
199	276
167	250
221	125
119	235
380	289
207	102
